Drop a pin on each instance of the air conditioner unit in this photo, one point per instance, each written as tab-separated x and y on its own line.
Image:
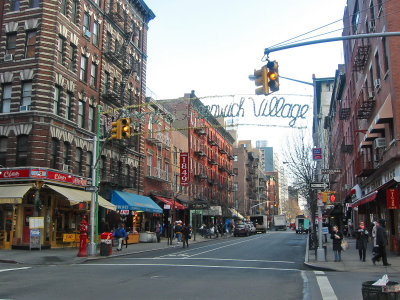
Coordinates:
377	83
65	167
8	57
137	78
370	95
24	108
379	143
371	26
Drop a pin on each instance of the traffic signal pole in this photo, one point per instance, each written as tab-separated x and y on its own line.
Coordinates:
328	40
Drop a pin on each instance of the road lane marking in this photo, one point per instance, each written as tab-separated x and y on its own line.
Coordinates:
325	286
193	266
15	269
208	258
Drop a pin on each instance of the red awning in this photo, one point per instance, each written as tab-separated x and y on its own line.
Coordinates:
170	202
368	198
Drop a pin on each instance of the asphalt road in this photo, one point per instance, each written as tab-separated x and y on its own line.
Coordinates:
264	266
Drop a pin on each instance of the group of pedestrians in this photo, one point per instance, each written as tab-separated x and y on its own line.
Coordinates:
377	235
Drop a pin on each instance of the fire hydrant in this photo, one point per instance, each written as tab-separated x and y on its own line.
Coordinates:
83	228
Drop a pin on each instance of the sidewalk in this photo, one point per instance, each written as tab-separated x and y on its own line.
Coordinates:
351	261
64	256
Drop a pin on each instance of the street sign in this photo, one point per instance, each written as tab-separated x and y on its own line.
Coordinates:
319	200
317	153
90	188
319	185
331	171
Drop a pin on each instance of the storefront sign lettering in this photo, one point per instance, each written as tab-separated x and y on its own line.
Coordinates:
14	174
392	198
184	173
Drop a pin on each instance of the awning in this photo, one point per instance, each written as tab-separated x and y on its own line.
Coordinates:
124	200
75	196
170	202
13	193
385	113
376	128
368	198
236	214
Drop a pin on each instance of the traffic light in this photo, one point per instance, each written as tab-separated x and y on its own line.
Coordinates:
116	130
332	198
261	79
125	128
273	76
324	197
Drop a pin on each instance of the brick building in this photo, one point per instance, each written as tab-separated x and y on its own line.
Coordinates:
67	68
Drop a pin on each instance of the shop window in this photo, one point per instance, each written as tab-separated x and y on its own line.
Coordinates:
3	152
22	151
55	149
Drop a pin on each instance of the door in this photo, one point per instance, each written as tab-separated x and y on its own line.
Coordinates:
28	212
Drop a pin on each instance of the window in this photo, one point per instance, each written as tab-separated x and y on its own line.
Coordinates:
33	3
30	44
68	105
86	24
235	158
78	161
385	55
74	12
72	58
81	113
96	30
93	75
55	145
109	42
107	81
66	153
91	119
64	7
14	5
26	94
89	159
356	18
377	65
102	167
60	50
166	171
175	155
84	66
11	43
22	151
6	98
56	102
3	151
149	163
102	126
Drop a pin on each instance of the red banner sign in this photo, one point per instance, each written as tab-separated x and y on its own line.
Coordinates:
11	174
392	198
184	165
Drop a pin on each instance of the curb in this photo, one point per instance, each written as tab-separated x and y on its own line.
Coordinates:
320	268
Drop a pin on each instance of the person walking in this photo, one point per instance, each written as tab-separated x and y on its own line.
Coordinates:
362	240
120	234
381	242
158	231
186	232
178	232
337	238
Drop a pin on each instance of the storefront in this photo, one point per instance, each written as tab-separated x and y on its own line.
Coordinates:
56	197
139	213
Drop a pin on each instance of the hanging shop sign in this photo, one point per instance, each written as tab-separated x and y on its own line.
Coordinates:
392	198
184	172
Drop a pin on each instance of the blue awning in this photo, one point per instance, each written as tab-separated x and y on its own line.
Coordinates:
124	200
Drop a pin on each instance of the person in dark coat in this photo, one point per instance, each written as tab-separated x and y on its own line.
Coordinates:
381	242
362	240
337	238
186	231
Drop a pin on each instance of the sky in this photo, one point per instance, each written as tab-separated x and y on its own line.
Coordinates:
212	46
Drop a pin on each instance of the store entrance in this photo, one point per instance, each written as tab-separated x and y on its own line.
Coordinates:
28	212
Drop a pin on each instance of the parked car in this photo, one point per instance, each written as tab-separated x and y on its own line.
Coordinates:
252	228
241	229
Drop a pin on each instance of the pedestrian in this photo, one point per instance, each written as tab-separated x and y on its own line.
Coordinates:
186	234
373	239
381	242
362	240
337	238
202	230
120	234
158	231
178	231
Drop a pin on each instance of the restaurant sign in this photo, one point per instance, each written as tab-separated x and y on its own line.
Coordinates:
392	198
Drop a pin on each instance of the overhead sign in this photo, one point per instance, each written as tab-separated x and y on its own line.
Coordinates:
331	171
317	153
184	168
319	185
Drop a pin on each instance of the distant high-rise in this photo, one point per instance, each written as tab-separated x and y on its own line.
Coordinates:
267	156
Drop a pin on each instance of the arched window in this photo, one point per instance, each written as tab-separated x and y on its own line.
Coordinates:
22	151
3	151
55	149
89	159
66	153
78	161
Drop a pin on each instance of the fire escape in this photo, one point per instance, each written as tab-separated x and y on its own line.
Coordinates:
365	104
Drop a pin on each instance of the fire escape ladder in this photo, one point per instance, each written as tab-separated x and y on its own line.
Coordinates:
361	58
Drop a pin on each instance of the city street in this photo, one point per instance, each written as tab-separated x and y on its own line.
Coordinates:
269	266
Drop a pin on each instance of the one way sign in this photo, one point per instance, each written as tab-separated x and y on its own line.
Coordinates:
319	185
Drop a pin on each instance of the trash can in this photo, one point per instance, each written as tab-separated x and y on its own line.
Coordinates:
375	292
106	244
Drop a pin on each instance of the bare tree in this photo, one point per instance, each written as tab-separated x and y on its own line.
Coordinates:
300	166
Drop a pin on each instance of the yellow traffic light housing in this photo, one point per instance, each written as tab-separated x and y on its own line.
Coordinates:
116	130
261	79
125	128
273	76
324	197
